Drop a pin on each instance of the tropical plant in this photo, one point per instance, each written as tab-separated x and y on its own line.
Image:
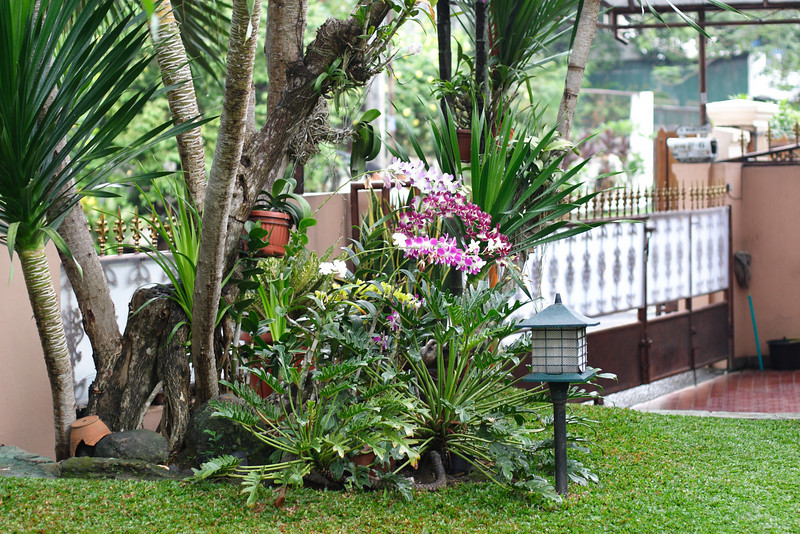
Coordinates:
278	290
366	142
517	178
334	398
179	229
474	409
521	34
282	197
459	91
60	76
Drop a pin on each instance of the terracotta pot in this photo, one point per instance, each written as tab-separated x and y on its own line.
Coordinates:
493	275
263	389
87	430
464	143
266	337
366	457
277	224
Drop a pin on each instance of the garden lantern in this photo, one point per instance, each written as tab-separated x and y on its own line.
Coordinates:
558	357
558	338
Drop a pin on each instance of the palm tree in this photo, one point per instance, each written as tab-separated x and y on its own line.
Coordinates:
63	101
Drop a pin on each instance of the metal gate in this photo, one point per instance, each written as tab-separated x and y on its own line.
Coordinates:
663	261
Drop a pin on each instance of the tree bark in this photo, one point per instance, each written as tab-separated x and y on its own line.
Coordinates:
264	158
94	301
47	313
153	351
212	257
174	66
443	35
587	24
483	95
287	19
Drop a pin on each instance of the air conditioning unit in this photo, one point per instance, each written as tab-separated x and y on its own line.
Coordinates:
693	149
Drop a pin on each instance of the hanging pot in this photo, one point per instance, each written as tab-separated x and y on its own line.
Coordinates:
464	137
277	225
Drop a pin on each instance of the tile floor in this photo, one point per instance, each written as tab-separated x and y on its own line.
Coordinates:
750	390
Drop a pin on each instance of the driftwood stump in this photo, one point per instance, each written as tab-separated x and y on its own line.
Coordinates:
153	352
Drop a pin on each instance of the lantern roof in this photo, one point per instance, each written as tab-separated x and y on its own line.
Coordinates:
557	316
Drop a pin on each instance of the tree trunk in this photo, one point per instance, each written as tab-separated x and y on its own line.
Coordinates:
175	70
153	351
94	300
286	19
483	95
47	313
587	24
212	258
443	35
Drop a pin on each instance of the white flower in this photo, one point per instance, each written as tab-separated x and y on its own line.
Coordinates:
414	49
337	267
399	240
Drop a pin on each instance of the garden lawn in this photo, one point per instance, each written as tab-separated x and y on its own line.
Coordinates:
657	474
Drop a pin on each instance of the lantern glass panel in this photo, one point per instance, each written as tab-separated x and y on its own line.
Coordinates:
558	350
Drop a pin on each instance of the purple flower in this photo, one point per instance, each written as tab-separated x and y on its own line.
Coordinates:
381	341
443	197
394	321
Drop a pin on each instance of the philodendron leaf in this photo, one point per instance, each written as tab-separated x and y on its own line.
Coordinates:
370	115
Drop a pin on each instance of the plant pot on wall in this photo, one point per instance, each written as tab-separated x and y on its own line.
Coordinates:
277	224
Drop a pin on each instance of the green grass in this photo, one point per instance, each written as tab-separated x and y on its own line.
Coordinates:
657	474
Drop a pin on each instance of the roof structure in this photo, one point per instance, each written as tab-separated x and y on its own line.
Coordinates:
622	15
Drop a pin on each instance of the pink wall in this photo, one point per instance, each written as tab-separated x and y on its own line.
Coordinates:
767	228
764	218
26	408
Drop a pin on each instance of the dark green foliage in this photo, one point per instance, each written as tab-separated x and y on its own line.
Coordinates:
59	80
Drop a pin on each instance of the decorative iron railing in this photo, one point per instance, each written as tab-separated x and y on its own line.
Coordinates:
784	146
623	202
117	234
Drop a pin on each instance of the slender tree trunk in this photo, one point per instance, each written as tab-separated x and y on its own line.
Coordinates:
482	61
88	281
47	314
175	70
286	19
211	262
443	35
94	300
587	24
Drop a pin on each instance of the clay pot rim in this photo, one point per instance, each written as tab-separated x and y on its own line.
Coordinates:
259	214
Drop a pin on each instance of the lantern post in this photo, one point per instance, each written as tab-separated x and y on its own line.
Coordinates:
558	357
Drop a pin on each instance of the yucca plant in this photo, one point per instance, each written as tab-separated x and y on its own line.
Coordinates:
63	70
